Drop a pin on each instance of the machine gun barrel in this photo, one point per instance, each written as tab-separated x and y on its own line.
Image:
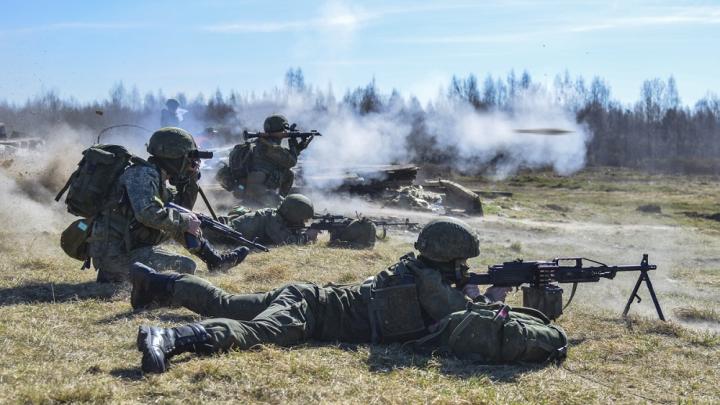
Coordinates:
220	227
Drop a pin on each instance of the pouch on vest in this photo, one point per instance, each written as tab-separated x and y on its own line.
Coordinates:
395	313
73	239
89	186
496	333
239	160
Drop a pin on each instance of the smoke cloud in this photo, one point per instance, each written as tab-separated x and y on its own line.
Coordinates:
480	138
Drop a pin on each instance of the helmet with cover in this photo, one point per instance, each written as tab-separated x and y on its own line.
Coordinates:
172	104
446	240
296	209
275	123
175	150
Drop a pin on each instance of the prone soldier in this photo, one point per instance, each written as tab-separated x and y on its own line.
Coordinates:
418	299
274	226
287	224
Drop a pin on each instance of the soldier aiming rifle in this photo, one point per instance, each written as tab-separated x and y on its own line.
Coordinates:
259	171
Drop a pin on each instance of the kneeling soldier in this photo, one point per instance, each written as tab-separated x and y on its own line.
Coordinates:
135	220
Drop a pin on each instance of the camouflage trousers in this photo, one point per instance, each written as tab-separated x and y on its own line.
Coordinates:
286	316
117	268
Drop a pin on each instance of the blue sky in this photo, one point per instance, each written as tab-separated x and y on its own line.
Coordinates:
81	48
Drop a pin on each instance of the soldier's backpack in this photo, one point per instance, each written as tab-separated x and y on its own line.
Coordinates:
239	159
87	194
358	234
89	185
496	333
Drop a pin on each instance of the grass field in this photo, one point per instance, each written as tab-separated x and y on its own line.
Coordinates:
66	339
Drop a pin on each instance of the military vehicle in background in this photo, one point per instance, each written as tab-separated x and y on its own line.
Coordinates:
14	142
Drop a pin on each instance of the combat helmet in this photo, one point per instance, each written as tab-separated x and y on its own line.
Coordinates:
447	239
275	123
171	143
174	148
172	104
296	209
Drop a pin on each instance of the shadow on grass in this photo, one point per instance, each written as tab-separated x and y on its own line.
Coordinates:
58	292
128	374
384	359
157	319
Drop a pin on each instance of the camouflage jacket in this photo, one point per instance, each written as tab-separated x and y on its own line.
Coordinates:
140	218
348	309
268	226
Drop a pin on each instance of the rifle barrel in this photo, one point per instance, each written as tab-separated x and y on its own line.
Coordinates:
226	230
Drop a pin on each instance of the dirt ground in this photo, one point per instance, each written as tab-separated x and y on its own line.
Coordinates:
67	339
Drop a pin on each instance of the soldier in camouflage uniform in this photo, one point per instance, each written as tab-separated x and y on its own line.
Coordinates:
169	115
269	175
135	220
420	295
271	226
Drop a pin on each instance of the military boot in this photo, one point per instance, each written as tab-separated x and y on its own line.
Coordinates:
158	345
149	286
216	261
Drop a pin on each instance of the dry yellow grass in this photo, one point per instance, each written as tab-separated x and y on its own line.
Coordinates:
66	339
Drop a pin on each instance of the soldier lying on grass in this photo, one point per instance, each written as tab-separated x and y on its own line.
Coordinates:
419	300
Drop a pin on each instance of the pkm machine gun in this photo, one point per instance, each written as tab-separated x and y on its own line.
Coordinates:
542	277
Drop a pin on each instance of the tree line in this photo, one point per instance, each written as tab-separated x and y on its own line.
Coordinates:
657	132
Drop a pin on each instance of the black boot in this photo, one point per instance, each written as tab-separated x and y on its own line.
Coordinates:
216	261
149	286
158	345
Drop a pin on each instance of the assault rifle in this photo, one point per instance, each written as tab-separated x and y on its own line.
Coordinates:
329	222
544	294
221	228
332	223
290	133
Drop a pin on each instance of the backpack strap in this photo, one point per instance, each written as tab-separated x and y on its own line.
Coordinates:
64	189
441	326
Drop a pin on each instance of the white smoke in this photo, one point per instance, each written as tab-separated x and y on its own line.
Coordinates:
350	142
479	138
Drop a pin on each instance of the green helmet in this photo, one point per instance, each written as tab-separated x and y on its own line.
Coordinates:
171	143
447	239
172	104
296	209
275	123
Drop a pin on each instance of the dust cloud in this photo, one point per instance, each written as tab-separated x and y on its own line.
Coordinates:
30	181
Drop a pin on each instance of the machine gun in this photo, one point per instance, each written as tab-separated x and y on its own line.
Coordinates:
544	294
291	132
221	228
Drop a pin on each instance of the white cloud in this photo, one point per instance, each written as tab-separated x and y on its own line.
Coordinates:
334	15
669	16
679	17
